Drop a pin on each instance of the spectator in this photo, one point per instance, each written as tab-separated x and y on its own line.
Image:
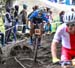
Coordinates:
24	17
13	23
49	16
8	25
72	10
2	38
61	14
16	20
34	8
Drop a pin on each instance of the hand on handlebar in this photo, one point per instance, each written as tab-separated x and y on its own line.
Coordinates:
73	61
55	60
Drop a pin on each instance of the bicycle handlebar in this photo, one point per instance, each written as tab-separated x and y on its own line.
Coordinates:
57	63
60	62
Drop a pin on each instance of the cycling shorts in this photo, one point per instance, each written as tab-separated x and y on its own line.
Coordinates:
67	55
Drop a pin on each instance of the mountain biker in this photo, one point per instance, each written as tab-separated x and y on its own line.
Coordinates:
37	17
66	34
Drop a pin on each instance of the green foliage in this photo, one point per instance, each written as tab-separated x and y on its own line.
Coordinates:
6	1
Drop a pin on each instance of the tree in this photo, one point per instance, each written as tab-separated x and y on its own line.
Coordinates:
7	3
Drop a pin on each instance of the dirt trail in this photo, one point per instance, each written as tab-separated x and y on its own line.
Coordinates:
22	54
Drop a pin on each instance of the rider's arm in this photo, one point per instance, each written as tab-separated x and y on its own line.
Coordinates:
56	39
34	14
54	49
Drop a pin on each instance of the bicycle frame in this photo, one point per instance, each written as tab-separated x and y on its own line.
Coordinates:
37	33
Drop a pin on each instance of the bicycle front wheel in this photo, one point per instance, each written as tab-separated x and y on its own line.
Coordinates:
36	49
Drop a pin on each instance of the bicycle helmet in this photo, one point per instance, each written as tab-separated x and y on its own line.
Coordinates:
41	10
69	17
24	6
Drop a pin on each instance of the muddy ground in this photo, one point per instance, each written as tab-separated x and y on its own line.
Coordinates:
22	57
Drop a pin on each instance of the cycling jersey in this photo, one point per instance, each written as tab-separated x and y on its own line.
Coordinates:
34	15
37	20
67	39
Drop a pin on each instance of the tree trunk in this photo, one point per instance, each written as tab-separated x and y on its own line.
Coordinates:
9	3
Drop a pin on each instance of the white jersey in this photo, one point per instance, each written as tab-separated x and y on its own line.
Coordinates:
7	23
67	39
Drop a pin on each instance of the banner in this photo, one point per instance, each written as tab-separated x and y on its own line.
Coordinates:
53	0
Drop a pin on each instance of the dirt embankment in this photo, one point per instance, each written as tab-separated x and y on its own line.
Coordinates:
22	56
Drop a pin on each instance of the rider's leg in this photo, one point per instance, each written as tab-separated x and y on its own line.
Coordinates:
41	28
66	57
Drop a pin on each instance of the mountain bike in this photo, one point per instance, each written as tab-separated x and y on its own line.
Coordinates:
37	33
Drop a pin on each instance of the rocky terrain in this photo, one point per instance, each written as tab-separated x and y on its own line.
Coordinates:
20	55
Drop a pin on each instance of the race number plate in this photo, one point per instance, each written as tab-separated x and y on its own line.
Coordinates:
37	31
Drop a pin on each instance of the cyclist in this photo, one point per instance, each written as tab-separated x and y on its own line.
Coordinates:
37	16
66	34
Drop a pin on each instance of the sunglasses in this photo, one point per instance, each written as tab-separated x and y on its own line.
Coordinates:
71	24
